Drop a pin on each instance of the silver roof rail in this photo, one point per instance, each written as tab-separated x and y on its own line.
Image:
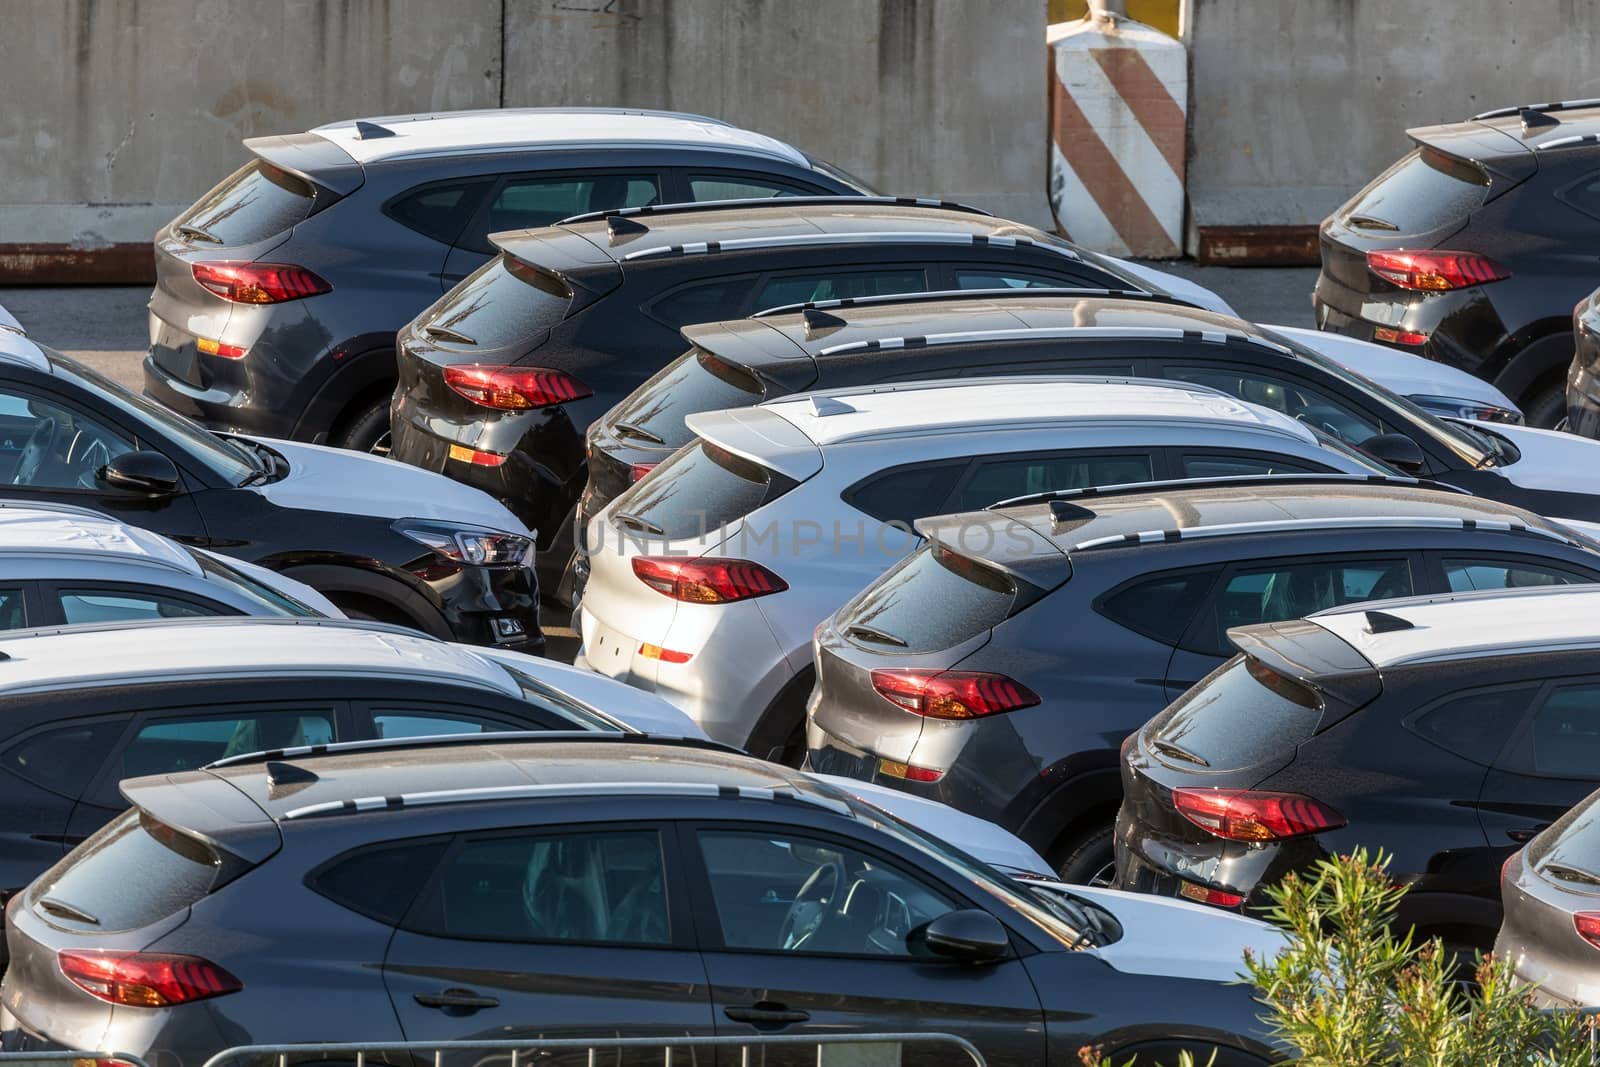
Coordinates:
1058	333
803	240
1347	522
1517	109
1224	481
689	206
1569	142
394	744
942	295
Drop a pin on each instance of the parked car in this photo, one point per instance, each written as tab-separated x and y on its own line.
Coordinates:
90	705
278	293
1446	730
500	378
64	565
709	577
379	539
9	321
1473	247
1583	377
1551	894
546	888
832	343
1000	667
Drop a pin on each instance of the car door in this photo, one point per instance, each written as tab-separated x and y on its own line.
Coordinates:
73	603
805	933
544	932
1552	762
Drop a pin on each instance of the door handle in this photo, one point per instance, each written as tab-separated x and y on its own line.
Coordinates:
456	1000
1521	834
766	1013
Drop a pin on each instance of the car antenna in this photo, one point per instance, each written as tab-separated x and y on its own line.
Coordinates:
371	131
817	321
1381	622
1537	120
620	226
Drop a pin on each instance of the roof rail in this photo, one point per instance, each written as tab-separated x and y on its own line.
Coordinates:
400	744
690	206
802	240
1059	333
1555	105
1343	522
366	625
52	506
1569	142
942	295
1223	482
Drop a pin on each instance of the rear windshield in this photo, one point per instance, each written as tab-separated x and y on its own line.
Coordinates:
701	488
1572	843
934	599
253	203
504	303
1242	716
131	873
1425	191
696	381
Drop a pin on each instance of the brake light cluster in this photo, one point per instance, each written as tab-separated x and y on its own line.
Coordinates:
1250	815
707	580
514	388
952	694
259	283
639	470
145	979
1435	271
1587	923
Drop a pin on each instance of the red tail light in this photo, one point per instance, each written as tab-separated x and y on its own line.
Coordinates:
1204	894
952	694
707	580
908	772
514	388
1587	924
1435	271
145	979
639	470
259	283
1246	815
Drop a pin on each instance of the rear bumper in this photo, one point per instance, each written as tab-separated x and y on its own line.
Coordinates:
1462	326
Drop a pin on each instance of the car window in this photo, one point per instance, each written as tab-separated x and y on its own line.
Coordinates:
803	286
744	187
1241	716
91	606
1424	191
1007	278
906	494
1159	607
702	302
698	489
1236	464
180	744
536	200
1286	396
1475	725
13	609
934	598
379	881
438	211
259	593
1274	593
253	203
601	887
504	302
48	445
1465	575
1001	479
1566	733
696	381
63	759
777	892
392	723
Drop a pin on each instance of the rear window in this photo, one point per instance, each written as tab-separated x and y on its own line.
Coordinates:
131	873
934	599
503	303
1242	716
253	203
699	489
696	381
1425	191
1572	843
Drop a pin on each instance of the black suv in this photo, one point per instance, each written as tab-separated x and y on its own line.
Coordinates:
1000	666
279	292
1445	730
1473	248
500	379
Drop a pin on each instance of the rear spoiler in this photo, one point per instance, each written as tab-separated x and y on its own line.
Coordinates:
315	159
1316	658
209	808
761	436
582	267
758	348
1502	158
1000	541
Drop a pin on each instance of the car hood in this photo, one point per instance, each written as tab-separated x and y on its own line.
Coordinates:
1551	460
1171	284
632	707
1399	372
281	583
1177	938
345	482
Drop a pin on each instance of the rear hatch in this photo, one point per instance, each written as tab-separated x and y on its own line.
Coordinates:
1551	882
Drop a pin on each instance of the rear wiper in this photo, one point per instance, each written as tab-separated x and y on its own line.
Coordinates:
1569	874
198	234
876	636
1178	751
1370	222
637	523
445	333
628	429
67	911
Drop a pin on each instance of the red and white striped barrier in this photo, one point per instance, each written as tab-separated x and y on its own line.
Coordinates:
1119	93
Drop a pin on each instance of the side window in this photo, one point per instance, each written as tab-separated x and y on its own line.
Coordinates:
1236	464
745	187
906	493
1271	594
380	881
1160	607
1001	479
709	301
1566	733
779	893
1007	278
438	211
1291	398
1475	725
64	759
179	744
402	722
598	888
803	286
13	610
1584	194
535	200
1465	575
101	605
50	446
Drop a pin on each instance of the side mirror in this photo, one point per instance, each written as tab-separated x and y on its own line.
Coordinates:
1395	449
970	936
140	472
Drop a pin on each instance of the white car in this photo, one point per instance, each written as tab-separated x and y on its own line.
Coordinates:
708	576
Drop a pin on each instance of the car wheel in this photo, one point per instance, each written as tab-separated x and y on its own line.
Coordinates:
367	430
1089	859
367	609
1545	405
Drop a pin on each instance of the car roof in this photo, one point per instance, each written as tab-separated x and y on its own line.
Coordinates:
1433	629
54	658
925	409
457	132
29	531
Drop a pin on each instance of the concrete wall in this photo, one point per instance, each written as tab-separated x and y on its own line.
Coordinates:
1299	103
120	112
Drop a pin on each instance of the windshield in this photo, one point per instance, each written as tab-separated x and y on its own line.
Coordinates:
1334	444
225	460
256	592
559	704
838	173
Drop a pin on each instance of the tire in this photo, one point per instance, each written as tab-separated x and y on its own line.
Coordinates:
366	429
1545	404
1089	858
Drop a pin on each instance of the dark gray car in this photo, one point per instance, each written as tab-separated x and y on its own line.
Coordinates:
279	292
554	888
